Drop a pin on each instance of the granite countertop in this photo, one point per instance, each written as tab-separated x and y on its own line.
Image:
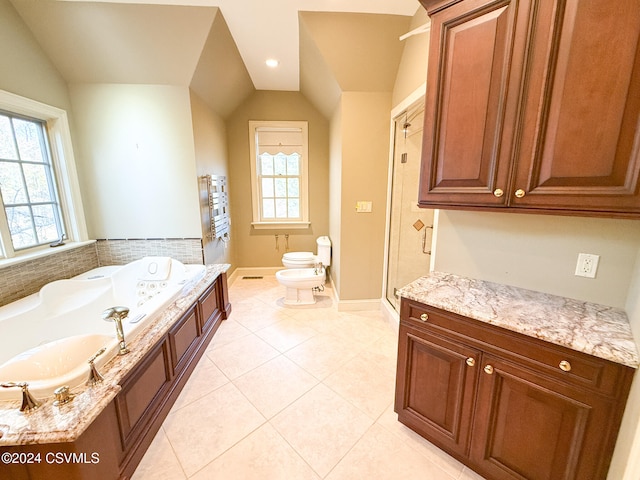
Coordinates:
65	423
586	327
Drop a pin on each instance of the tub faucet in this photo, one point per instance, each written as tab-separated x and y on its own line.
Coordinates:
28	402
94	375
117	314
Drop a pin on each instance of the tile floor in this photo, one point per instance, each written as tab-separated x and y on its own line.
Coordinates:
293	393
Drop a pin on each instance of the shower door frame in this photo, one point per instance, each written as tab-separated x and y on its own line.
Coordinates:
396	113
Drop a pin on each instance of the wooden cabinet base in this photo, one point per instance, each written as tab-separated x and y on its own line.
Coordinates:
501	403
113	445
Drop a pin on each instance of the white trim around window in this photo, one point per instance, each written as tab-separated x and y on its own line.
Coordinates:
286	138
63	162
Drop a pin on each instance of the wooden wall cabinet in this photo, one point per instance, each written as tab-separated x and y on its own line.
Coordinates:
533	105
501	403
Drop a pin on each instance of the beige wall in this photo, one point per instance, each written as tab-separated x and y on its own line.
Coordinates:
256	248
210	144
539	252
364	167
137	161
26	70
412	72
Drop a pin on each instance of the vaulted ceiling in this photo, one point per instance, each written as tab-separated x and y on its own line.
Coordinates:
218	47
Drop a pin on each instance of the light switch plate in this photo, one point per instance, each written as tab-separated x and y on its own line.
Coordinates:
363	206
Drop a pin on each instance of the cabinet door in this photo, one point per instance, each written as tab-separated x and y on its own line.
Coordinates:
209	305
471	101
183	340
528	426
435	388
580	139
143	392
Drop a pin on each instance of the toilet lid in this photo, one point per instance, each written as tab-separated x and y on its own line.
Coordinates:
298	256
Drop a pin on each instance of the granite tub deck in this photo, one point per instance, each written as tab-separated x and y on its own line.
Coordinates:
589	328
65	423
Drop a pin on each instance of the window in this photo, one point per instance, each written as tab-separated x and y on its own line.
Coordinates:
27	183
279	174
39	192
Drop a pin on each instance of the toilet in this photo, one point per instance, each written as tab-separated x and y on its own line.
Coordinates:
303	273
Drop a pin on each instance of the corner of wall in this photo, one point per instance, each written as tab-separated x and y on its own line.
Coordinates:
625	464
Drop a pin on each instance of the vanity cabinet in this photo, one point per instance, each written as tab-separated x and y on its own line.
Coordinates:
507	405
533	106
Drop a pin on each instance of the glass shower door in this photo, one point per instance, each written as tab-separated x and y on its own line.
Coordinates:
411	227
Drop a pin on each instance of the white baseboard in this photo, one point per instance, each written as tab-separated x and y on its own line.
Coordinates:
356	305
353	305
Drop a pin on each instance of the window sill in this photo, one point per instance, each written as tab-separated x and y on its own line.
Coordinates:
43	252
280	225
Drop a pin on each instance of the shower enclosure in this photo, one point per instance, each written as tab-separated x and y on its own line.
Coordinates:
411	228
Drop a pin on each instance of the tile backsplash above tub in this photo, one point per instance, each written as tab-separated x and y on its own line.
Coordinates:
22	279
121	252
25	278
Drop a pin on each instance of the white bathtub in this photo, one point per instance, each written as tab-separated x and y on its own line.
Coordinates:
47	338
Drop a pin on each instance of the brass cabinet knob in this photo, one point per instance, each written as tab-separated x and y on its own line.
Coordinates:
565	366
424	317
498	192
471	361
488	369
519	193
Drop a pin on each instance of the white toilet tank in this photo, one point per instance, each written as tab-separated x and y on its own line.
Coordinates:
324	250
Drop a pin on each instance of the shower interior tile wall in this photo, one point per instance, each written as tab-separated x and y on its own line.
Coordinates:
23	279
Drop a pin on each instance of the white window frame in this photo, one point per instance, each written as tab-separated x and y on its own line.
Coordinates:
258	222
63	163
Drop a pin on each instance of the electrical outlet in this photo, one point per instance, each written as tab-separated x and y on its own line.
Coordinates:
587	265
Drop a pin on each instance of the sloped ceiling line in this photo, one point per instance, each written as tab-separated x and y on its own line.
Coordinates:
203	44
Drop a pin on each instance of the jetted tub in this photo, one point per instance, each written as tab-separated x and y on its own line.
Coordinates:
46	339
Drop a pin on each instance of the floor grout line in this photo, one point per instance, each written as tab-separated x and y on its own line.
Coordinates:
253	300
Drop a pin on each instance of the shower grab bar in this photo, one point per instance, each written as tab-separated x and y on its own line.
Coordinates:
424	239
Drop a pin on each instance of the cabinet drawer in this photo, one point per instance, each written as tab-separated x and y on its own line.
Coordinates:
549	359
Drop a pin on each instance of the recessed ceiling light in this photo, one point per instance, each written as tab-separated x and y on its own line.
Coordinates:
272	62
